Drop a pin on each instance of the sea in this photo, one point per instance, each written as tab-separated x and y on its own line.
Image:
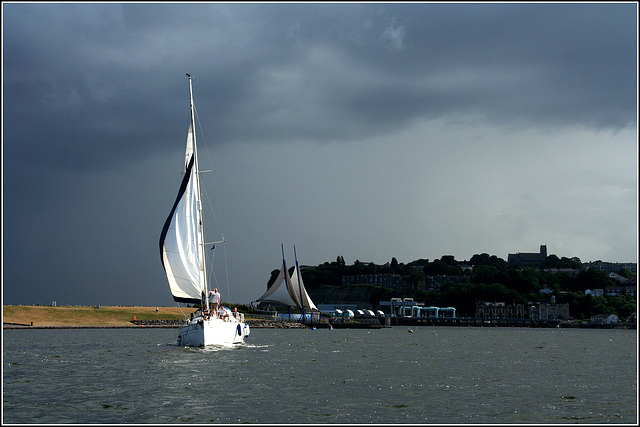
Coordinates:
433	375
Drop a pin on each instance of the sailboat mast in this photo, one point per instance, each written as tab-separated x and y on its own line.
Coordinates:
284	263
299	285
284	269
201	252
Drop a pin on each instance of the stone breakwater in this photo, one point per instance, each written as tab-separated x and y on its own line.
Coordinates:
160	322
274	324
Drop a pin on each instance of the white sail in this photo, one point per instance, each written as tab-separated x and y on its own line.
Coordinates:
182	240
188	154
298	286
282	291
179	243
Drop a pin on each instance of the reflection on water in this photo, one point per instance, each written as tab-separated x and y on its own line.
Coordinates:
434	375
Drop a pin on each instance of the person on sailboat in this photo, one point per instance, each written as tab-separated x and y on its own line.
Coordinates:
225	314
215	300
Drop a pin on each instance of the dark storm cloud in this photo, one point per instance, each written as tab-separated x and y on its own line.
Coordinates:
83	78
95	97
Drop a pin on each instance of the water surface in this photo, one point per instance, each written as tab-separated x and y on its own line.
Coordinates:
433	375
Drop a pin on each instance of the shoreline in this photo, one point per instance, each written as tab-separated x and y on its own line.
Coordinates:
282	325
13	326
124	317
258	324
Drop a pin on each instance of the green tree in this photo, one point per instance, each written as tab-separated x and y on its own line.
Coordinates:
625	273
621	305
552	261
414	276
486	259
441	268
485	274
531	282
591	278
459	295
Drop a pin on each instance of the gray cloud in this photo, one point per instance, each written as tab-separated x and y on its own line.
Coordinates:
95	111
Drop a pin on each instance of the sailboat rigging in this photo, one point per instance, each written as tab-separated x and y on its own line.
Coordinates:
183	256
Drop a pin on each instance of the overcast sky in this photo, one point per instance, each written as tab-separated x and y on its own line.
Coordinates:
369	131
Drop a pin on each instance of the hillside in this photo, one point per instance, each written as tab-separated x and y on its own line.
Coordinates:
446	282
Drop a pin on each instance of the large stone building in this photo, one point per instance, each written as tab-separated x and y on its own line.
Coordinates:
523	259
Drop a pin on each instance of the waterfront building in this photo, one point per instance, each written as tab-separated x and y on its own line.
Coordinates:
397	305
499	310
604	319
549	311
407	307
427	312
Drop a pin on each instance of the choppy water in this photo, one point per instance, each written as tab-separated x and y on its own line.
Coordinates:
434	375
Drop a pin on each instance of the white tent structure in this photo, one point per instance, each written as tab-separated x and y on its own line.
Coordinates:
289	290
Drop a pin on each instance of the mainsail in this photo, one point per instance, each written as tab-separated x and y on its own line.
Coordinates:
182	240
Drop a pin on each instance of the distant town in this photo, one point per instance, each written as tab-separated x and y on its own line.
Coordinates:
526	286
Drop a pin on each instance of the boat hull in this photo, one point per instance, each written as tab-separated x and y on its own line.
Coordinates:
203	332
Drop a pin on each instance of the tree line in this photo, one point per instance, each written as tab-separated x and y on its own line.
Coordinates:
489	279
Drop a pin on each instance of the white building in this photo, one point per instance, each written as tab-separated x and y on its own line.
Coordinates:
605	319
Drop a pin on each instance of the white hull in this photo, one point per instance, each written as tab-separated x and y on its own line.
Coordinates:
202	332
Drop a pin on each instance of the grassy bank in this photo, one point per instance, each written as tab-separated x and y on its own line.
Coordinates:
87	315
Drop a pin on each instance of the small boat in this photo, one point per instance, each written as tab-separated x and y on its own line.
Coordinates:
182	252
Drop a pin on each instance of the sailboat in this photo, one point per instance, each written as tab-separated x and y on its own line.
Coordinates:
289	289
182	251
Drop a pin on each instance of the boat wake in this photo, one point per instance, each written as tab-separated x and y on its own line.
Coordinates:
219	347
